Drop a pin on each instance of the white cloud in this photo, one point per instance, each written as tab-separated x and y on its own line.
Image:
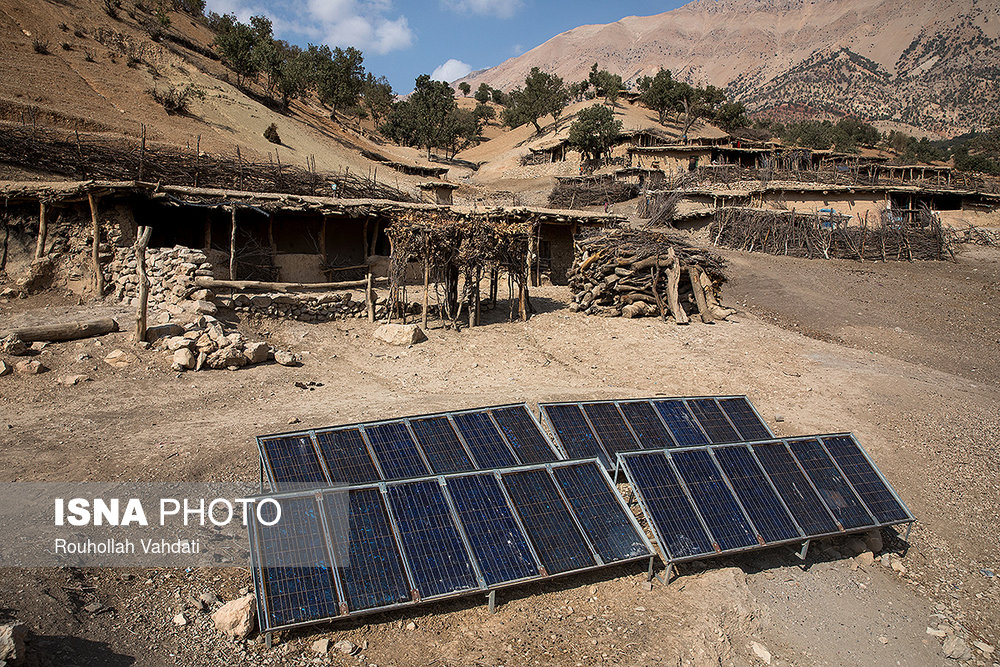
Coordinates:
500	8
366	24
451	70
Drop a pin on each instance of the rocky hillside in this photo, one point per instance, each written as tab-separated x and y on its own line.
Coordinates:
934	66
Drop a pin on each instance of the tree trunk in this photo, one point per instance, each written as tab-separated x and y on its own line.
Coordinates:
699	296
96	249
673	283
43	228
140	262
64	331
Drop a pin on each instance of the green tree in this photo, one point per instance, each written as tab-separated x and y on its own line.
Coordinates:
656	92
594	131
606	84
543	94
484	113
500	97
732	116
578	90
483	93
266	52
342	78
378	97
432	103
465	88
235	42
293	75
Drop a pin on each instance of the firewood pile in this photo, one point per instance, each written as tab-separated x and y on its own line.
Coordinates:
575	194
640	273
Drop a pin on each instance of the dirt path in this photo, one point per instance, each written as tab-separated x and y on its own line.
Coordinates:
933	433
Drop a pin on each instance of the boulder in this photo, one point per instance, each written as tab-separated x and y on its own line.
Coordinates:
236	617
955	648
117	359
206	344
14	346
30	367
287	358
321	646
257	353
72	380
202	295
260	301
5	369
346	647
177	342
184	359
227	357
241	301
400	334
158	331
206	308
12	638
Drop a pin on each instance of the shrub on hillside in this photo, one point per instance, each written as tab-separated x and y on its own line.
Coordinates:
271	134
40	46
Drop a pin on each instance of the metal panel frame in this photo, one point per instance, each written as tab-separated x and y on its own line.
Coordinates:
267	473
544	418
804	538
383	486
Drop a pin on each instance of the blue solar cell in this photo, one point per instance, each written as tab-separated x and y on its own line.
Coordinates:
523	434
714	500
747	421
835	490
371	568
713	421
500	548
347	457
441	446
432	544
866	479
751	486
484	440
600	513
557	540
668	508
647	426
575	435
611	428
396	451
296	572
794	489
682	424
292	460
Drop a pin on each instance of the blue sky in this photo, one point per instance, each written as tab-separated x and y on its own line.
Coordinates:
405	39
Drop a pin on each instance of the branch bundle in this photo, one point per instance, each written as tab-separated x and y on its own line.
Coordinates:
574	194
636	273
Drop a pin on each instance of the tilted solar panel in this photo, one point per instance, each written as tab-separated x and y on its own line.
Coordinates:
524	434
443	449
573	431
396	451
646	425
734	497
610	427
346	456
292	460
488	447
713	420
681	423
745	418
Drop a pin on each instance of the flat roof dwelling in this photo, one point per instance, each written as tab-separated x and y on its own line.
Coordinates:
437	192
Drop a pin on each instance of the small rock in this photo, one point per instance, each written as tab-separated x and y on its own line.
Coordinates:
180	619
400	334
236	617
321	646
14	346
226	357
202	295
201	361
293	420
985	572
72	380
865	559
117	359
195	604
184	359
984	647
30	367
898	566
206	308
155	333
883	639
257	353
5	368
346	647
208	598
287	358
779	418
647	585
934	632
92	608
411	626
12	638
177	342
38	346
954	647
761	652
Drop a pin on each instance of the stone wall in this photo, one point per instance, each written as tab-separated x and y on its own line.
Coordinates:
307	307
171	272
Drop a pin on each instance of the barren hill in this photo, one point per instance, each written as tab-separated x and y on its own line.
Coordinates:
932	65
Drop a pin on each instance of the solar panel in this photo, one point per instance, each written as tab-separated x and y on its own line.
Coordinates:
740	496
713	421
296	573
866	479
496	539
372	570
346	456
524	434
570	426
646	425
600	513
443	449
395	450
557	540
484	440
745	419
434	549
834	489
610	427
712	496
292	460
676	524
754	491
681	423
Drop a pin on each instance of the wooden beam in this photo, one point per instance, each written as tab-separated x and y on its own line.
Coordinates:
43	228
232	247
96	249
64	330
140	262
261	286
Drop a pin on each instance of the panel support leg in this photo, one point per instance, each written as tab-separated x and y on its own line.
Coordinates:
802	553
268	639
651	572
493	602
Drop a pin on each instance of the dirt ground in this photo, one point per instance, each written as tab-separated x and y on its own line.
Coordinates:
818	346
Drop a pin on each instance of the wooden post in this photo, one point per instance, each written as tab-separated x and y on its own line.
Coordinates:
232	248
43	229
427	279
699	296
142	240
96	249
673	284
322	240
142	153
370	298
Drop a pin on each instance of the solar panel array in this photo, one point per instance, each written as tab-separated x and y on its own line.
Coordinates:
484	439
603	429
371	547
715	499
